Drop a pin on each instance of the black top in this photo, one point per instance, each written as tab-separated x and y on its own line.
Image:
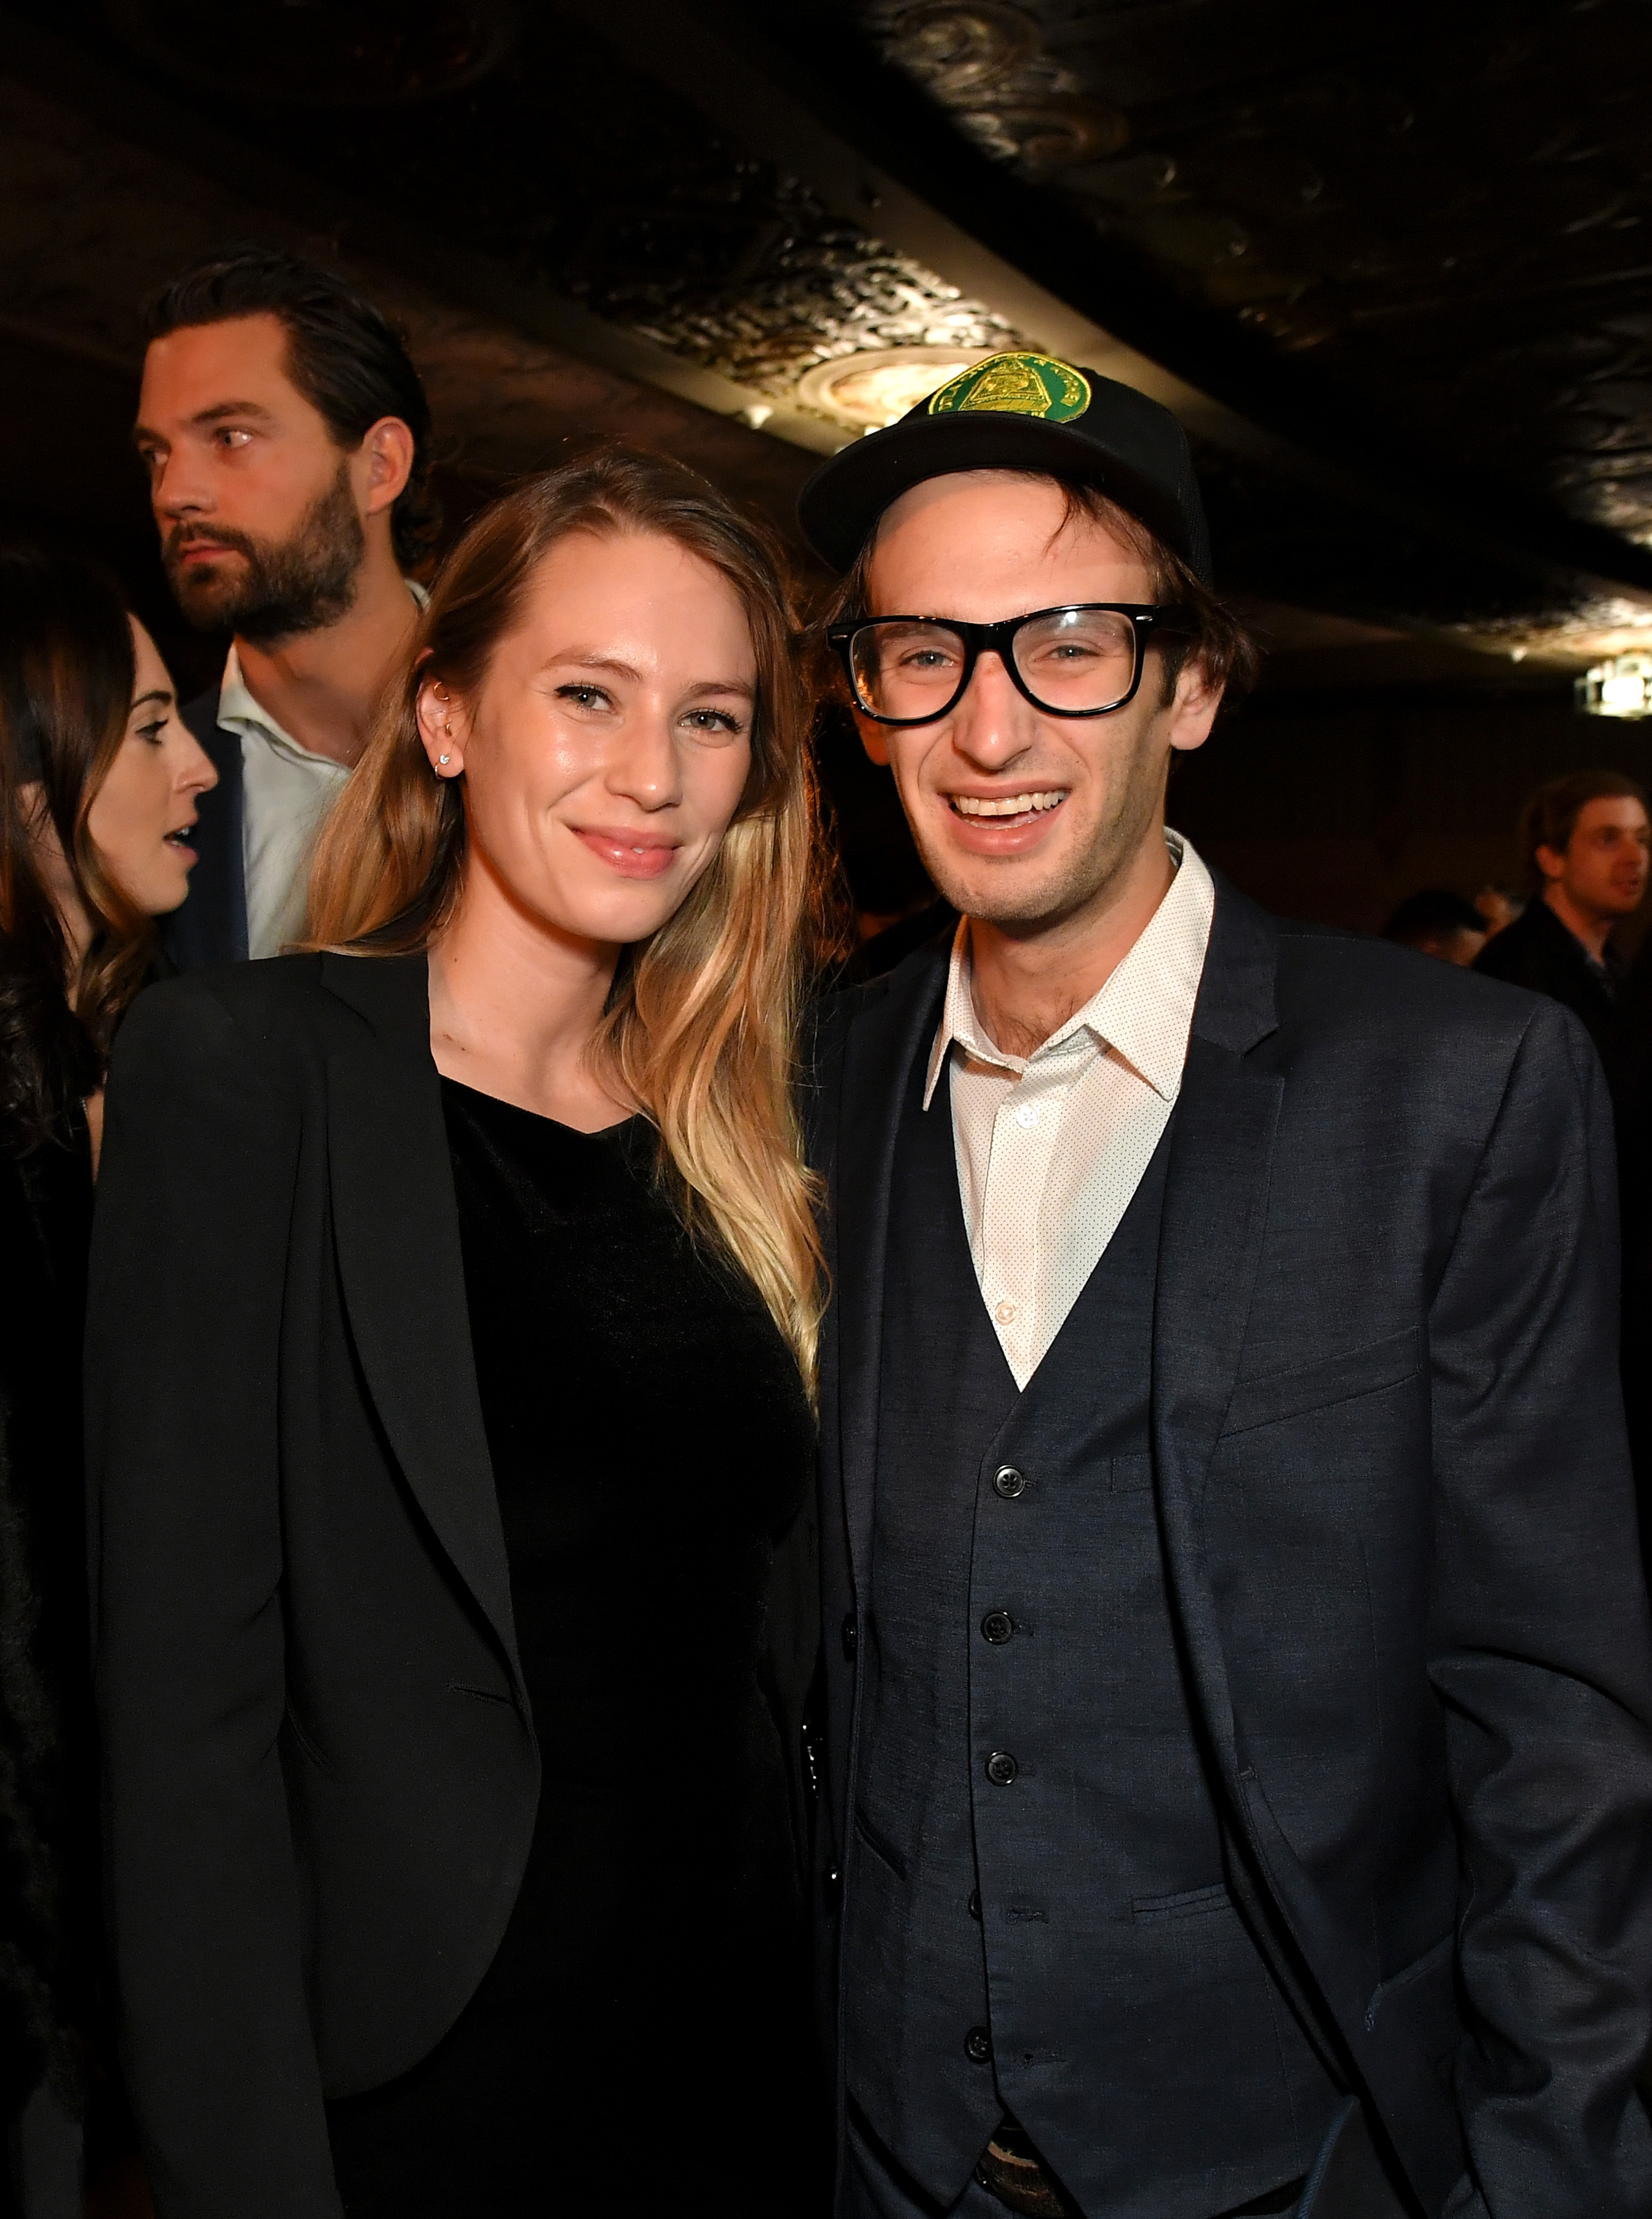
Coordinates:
645	2024
48	1876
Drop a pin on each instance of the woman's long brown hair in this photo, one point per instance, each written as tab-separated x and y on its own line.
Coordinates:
702	1018
66	679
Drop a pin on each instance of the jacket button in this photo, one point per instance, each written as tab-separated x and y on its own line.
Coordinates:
975	1903
1001	1768
851	1637
1009	1482
997	1626
978	2046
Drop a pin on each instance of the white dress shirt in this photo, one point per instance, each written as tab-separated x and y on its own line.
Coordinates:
1052	1146
286	794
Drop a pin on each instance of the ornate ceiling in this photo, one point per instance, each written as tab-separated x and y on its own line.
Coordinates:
1446	207
1425	227
1410	243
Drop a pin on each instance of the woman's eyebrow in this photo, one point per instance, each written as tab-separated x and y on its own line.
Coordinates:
155	694
724	686
581	658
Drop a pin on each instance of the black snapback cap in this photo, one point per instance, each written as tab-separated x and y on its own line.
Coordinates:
1017	412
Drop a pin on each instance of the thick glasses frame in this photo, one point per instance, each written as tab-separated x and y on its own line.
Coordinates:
1000	638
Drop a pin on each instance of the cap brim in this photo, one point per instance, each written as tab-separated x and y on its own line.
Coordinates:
839	506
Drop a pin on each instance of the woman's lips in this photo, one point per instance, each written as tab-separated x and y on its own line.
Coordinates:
633	855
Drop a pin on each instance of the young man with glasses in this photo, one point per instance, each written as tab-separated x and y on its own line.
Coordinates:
1238	1734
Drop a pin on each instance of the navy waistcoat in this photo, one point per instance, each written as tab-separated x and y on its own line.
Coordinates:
1035	1915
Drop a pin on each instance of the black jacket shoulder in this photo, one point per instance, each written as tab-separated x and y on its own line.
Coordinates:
287	1008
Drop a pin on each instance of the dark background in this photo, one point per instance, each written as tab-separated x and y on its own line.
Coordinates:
1394	265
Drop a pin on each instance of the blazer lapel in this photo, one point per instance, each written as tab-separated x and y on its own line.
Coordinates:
878	1059
211	925
397	1228
1215	1204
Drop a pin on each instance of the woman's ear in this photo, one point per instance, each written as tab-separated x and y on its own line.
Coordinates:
441	727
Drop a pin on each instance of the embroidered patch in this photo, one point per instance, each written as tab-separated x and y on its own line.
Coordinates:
1015	385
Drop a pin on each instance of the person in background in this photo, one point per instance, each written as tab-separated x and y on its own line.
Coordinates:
1497	908
457	1593
1438	923
99	786
1584	841
286	435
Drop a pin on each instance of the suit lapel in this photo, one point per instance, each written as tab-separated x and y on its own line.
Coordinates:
878	1057
397	1229
1215	1204
211	925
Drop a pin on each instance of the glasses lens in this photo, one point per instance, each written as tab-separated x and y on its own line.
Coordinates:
904	669
1082	659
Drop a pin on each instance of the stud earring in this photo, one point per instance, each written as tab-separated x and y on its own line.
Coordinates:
443	758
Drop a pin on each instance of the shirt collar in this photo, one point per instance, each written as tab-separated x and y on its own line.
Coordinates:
239	711
1145	1010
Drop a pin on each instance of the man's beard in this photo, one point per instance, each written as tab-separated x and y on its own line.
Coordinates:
276	591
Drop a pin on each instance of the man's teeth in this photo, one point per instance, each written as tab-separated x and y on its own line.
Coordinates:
1008	804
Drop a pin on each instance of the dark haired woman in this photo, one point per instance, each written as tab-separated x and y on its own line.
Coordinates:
97	787
457	1598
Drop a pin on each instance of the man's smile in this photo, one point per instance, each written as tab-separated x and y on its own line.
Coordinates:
1035	803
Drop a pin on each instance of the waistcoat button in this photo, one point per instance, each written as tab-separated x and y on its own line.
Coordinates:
851	1637
1001	1768
978	2046
975	1903
997	1626
1009	1482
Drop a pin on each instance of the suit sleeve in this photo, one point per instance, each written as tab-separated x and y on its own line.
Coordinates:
182	1356
1542	1657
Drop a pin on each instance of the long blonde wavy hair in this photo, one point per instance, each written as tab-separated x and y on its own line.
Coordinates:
702	1018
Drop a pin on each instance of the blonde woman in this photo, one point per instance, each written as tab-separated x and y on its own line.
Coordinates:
454	1293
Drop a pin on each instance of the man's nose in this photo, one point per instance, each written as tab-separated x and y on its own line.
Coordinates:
174	489
994	720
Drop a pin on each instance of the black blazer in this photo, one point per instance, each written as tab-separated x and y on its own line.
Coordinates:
51	1996
1397	1527
1538	951
210	927
320	1771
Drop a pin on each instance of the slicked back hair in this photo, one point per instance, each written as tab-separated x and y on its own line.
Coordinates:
342	353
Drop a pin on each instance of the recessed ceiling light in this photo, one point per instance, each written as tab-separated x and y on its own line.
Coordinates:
871	390
1621	688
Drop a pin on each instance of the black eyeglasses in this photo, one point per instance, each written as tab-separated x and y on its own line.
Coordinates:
1082	661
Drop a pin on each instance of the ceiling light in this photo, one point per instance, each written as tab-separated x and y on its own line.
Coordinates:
1621	687
874	389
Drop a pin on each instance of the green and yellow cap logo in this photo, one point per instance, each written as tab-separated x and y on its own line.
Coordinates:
1015	385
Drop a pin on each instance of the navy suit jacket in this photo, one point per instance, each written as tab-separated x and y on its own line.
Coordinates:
210	927
1398	1525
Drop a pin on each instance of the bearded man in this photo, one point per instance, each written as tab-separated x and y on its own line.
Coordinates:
1238	1781
286	435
